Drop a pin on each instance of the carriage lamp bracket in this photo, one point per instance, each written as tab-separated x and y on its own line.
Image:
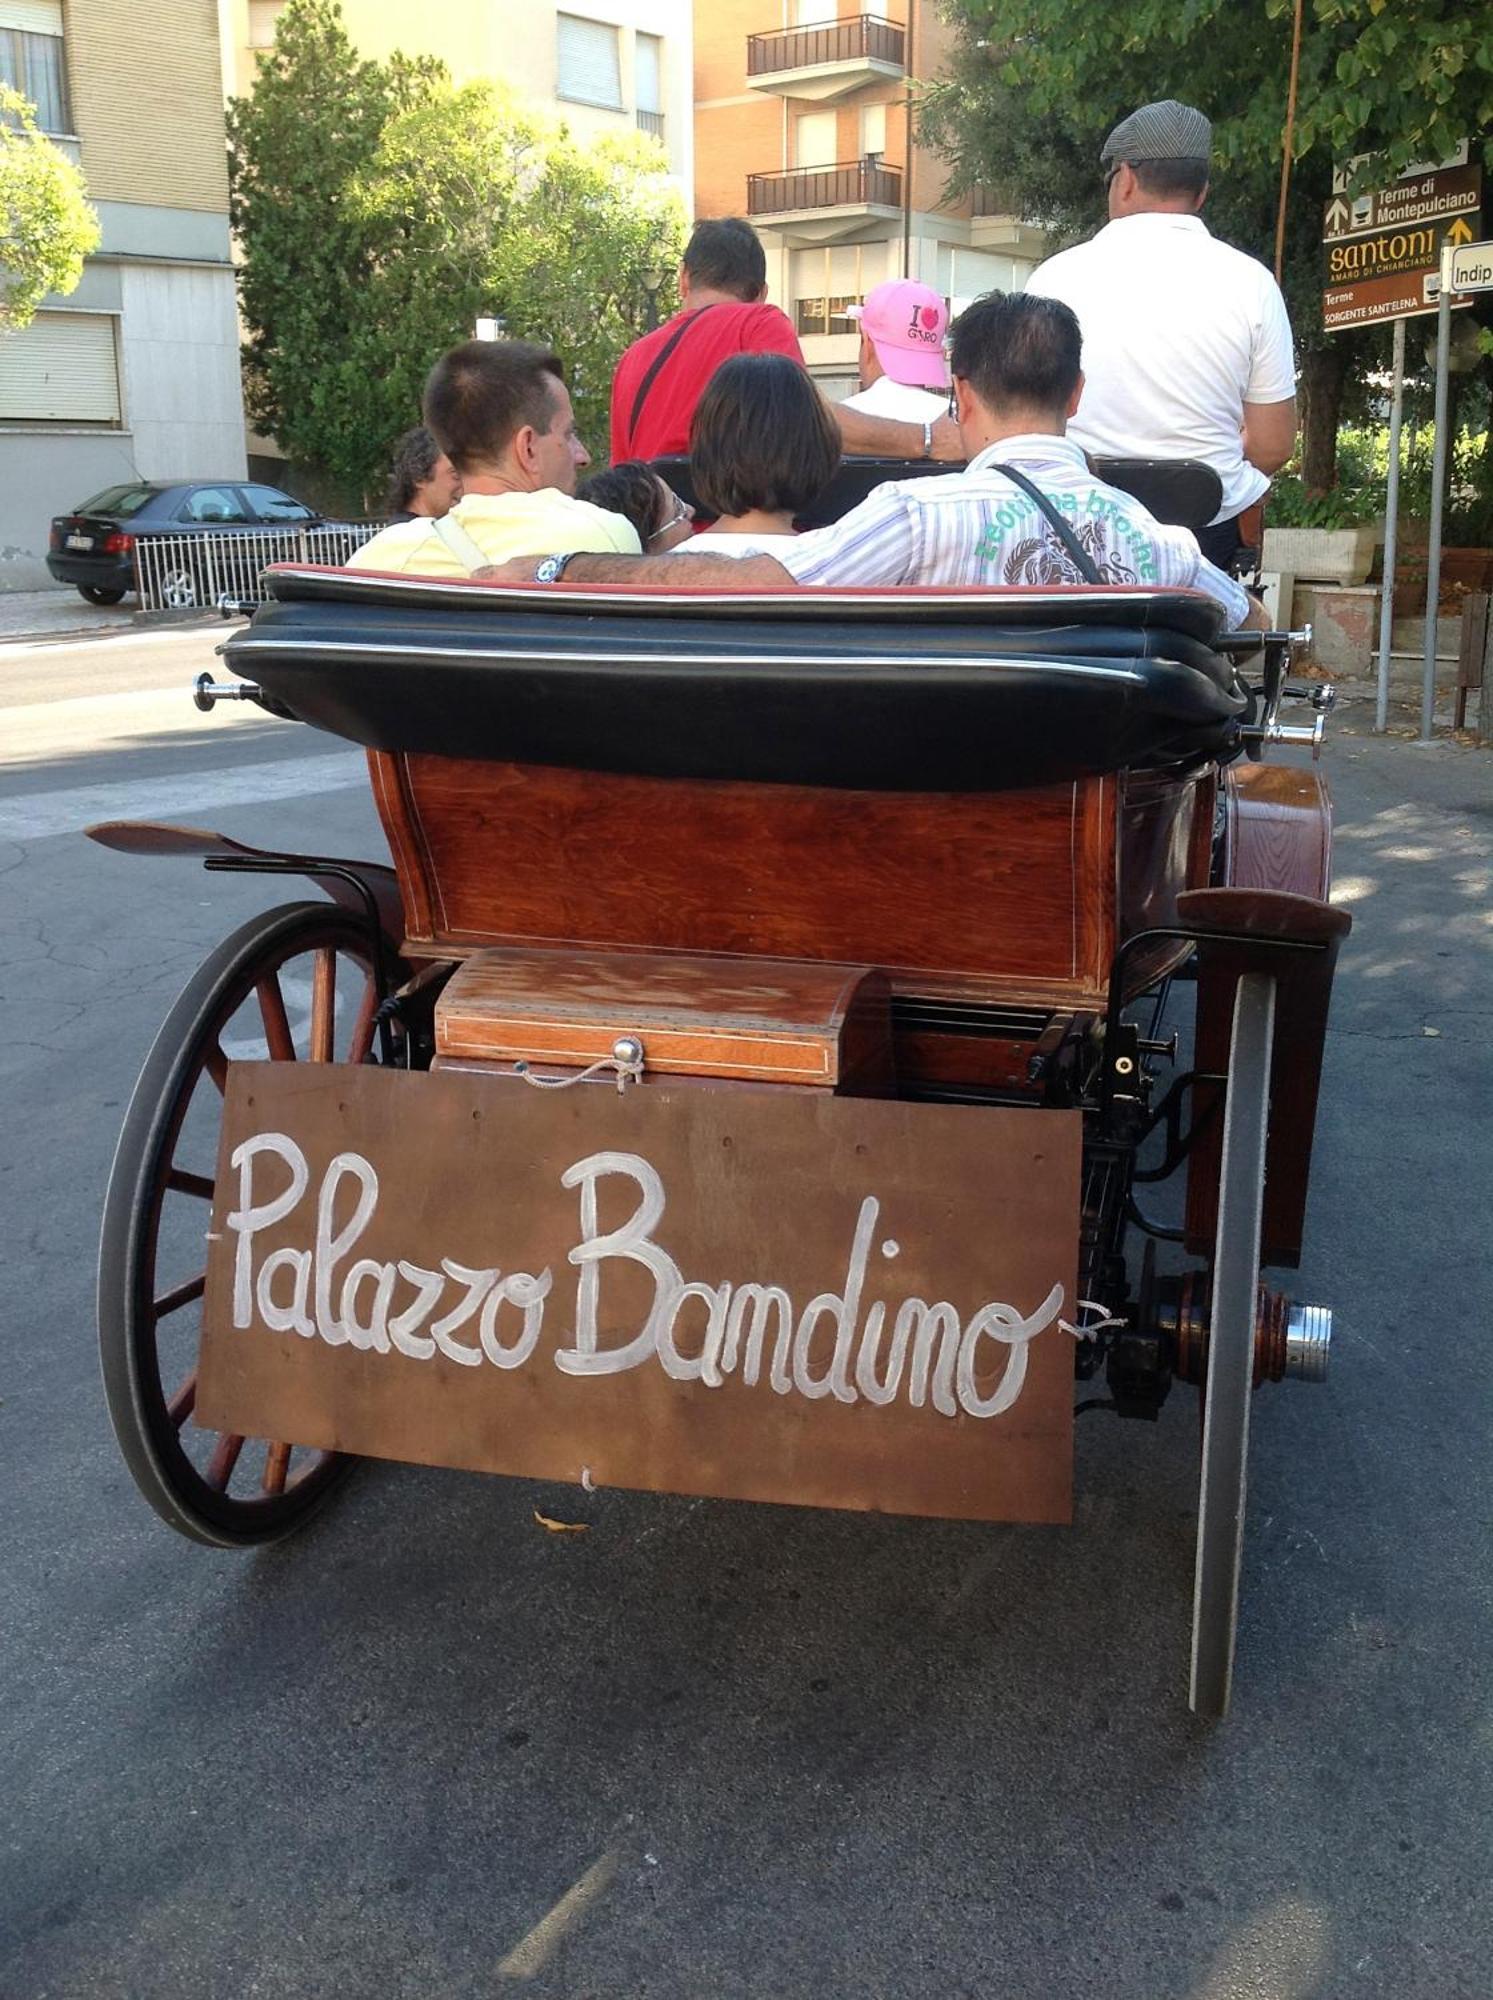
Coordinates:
268	864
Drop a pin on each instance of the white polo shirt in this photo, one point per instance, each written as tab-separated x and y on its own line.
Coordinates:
900	401
1180	331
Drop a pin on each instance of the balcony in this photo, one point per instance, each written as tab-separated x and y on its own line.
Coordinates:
809	205
651	122
829	60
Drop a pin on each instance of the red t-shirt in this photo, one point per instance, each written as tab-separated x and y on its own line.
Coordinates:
722	330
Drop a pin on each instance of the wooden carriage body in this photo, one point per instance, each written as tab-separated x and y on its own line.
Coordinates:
908	848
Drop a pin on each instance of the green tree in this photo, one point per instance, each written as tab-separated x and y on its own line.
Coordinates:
593	230
1037	83
301	147
47	227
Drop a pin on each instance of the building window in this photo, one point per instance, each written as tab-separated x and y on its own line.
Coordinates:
62	369
825	315
873	130
814	139
31	61
648	84
588	64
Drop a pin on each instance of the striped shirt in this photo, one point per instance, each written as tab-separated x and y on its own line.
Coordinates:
977	526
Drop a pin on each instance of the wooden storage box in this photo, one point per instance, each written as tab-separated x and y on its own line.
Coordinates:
757	1020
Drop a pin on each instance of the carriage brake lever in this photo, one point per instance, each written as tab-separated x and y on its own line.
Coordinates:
1307	735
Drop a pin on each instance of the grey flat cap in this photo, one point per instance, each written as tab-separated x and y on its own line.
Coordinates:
1166	131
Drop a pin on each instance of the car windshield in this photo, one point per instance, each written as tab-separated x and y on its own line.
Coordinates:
118	500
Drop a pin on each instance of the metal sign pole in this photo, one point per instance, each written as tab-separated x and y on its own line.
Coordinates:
1438	492
1391	530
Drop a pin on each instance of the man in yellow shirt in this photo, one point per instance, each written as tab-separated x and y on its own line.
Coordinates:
500	411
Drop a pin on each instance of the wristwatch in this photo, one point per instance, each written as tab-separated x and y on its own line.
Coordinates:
927	440
552	568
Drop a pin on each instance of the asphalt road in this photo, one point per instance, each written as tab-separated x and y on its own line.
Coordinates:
706	1750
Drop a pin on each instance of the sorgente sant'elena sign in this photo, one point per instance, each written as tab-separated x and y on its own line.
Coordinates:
771	1294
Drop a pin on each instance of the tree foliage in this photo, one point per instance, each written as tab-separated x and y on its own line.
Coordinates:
1038	83
381	211
47	227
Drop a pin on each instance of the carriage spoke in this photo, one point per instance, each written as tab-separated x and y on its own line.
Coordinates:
215	1062
277	1033
179	1296
362	1035
276	1463
184	1401
181	1182
323	1003
224	1459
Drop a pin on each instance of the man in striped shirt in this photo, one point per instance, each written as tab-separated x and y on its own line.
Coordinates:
1017	380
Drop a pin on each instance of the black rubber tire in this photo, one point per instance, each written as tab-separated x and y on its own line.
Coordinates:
96	594
1231	1348
136	1396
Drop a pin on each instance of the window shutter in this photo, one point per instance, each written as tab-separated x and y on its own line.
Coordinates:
60	369
648	73
588	65
33	17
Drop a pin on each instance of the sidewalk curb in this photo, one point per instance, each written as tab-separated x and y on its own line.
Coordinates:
137	622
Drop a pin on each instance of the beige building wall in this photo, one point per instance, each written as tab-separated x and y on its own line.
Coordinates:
145	82
511	42
134	375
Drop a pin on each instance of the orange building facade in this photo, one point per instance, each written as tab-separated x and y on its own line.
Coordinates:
802	125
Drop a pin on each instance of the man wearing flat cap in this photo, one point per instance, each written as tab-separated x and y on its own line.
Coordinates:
1186	344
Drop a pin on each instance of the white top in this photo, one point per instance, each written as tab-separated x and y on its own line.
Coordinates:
899	401
1180	331
706	544
976	526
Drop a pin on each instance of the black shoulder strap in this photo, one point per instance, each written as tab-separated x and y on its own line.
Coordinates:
658	361
1083	562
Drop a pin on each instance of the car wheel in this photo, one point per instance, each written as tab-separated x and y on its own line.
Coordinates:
96	593
179	589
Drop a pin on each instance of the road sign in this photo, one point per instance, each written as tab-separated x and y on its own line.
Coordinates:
1405	296
1435	197
1472	269
1393	251
1343	176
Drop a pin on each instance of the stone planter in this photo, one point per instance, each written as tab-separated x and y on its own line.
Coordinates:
1322	555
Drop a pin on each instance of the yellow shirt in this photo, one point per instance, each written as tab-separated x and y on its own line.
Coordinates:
503	525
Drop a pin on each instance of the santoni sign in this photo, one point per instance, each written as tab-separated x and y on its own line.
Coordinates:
782	1295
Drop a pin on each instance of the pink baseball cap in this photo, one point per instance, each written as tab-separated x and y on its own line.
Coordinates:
906	323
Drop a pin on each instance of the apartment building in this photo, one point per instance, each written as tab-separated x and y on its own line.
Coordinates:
135	374
600	65
802	124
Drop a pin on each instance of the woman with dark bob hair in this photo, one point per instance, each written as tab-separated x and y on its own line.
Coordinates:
636	492
422	480
762	448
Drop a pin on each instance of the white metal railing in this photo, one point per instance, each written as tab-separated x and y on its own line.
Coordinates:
182	572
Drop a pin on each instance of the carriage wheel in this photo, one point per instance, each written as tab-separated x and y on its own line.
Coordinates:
294	984
1231	1347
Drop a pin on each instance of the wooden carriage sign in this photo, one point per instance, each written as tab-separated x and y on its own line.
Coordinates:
754	1294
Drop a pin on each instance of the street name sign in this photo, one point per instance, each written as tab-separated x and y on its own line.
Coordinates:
1435	197
1472	269
1383	248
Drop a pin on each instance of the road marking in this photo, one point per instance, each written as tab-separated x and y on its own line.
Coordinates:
41	815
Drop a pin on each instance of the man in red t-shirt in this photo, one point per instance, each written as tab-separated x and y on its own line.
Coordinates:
659	380
723	283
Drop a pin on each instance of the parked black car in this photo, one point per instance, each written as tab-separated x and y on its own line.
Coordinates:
94	547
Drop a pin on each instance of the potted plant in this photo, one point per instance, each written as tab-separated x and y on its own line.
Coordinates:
1321	537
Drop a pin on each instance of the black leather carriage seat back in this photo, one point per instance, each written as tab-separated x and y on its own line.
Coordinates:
909	689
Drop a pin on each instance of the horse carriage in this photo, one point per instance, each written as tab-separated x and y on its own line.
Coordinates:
751	1075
